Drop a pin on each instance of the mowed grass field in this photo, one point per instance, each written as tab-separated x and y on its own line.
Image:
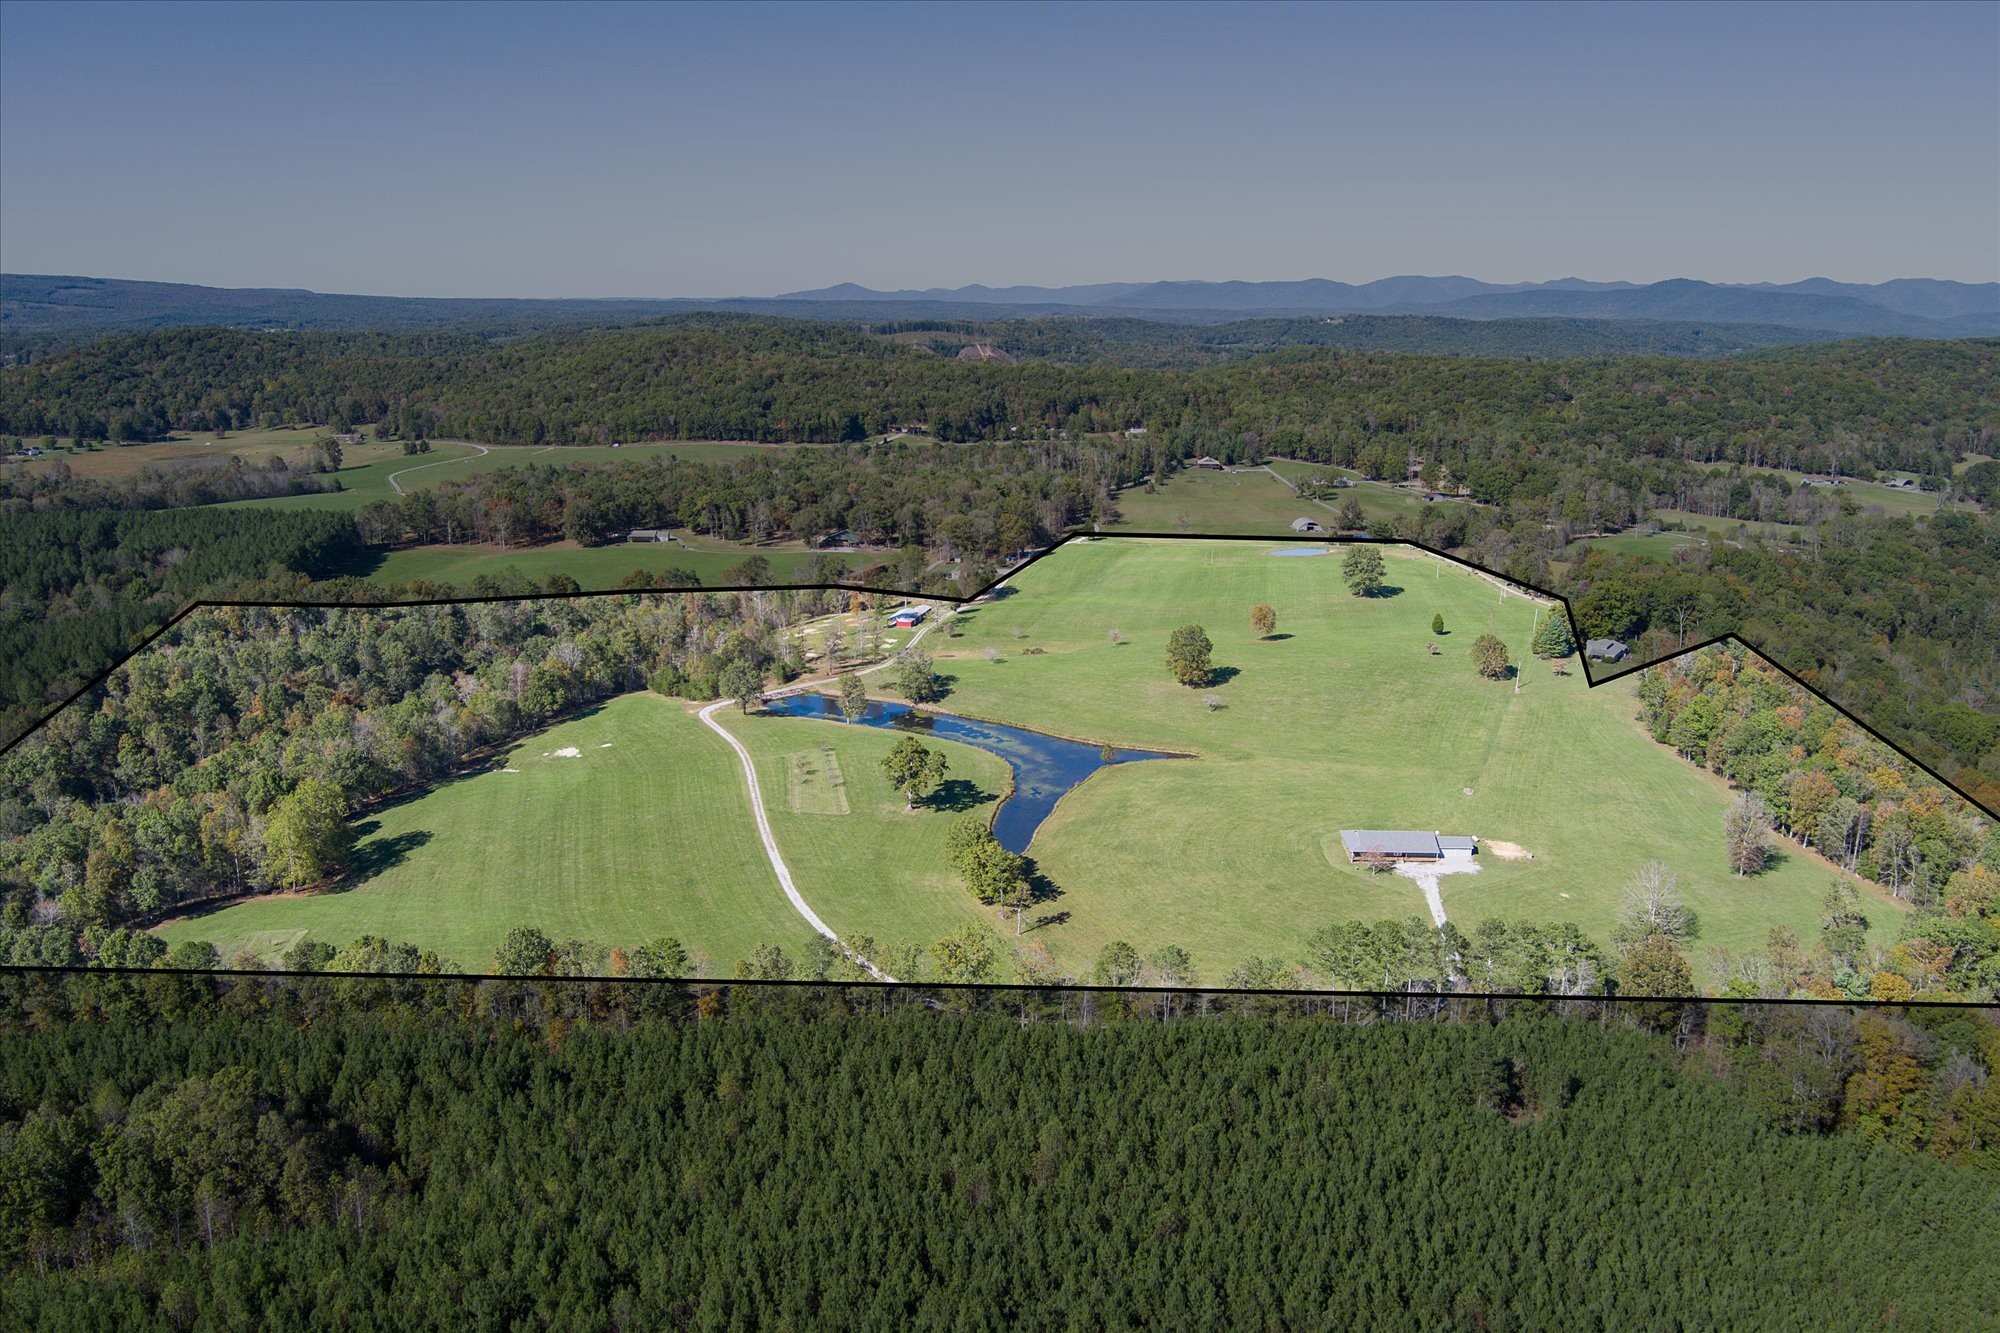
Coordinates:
879	869
1345	721
651	836
366	468
1198	501
593	567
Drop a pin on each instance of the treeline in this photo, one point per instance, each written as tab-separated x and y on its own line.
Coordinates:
587	1155
1851	407
227	759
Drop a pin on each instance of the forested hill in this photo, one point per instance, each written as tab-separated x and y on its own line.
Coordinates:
365	1153
1913	405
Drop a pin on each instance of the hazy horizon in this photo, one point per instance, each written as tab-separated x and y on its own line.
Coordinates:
709	151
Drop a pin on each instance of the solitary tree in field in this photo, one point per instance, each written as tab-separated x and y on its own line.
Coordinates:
1350	516
853	697
1188	652
1263	620
1489	657
1743	834
1552	636
1653	906
913	770
1115	636
1362	568
1437	623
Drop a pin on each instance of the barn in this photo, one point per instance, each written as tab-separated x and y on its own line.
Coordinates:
1306	525
909	617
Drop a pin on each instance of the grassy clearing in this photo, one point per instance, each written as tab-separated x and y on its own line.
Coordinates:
593	567
1344	721
1230	503
367	468
108	461
1894	501
651	836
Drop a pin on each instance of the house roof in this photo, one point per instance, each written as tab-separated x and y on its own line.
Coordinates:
1455	842
1604	647
1390	842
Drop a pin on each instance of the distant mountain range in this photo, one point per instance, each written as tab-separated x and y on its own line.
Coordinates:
39	311
1914	307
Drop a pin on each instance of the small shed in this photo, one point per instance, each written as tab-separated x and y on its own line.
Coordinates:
1306	525
1211	464
649	535
1606	650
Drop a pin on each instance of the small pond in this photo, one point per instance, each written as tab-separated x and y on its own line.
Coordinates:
1305	550
1045	767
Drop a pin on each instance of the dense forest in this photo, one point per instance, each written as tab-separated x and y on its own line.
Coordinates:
183	1151
1893	616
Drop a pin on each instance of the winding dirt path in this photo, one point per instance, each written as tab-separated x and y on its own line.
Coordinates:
397	487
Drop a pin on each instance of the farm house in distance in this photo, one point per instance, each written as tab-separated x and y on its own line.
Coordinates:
1606	650
1406	845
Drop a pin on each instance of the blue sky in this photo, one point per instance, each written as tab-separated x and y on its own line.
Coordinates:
522	150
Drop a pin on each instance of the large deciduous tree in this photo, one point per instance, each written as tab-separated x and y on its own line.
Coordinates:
1743	833
306	837
914	770
1489	657
1188	656
1363	569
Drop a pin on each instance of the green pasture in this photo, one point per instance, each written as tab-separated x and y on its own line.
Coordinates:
1345	721
645	832
593	567
1198	501
367	467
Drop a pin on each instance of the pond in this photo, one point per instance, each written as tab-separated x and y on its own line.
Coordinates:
1045	767
1305	550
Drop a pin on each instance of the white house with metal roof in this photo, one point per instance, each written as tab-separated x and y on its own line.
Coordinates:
1407	845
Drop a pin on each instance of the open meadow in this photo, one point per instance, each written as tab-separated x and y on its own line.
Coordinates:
620	826
1199	501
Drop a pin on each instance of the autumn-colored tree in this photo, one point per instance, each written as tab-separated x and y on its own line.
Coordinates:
1263	620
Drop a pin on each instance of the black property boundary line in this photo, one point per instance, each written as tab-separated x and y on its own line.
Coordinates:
1569	612
1008	987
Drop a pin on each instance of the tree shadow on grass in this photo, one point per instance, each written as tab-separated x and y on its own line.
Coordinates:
1276	638
373	857
957	795
1387	590
1222	675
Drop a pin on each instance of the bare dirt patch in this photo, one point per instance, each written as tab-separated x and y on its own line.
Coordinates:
568	752
1507	851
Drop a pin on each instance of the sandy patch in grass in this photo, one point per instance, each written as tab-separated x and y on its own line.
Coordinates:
568	752
1508	851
